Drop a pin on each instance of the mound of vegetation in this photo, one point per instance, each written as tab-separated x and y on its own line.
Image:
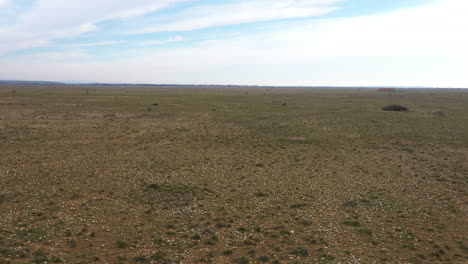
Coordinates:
397	108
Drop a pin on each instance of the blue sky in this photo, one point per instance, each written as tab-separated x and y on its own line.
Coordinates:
255	42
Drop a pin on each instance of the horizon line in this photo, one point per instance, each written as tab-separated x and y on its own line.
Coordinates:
36	82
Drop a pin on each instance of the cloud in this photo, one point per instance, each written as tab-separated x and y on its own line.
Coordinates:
58	56
48	20
161	42
3	2
100	43
19	39
53	14
233	13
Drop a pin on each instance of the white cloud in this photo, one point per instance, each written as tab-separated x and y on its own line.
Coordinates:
53	14
47	20
99	43
200	17
162	42
3	2
19	39
54	57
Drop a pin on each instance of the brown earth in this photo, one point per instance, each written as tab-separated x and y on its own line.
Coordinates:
238	175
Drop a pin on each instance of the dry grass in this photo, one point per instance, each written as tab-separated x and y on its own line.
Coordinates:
160	175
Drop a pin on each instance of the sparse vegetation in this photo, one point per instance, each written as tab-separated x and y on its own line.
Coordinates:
241	260
122	244
329	177
300	251
352	223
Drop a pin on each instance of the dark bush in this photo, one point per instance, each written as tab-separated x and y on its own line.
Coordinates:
3	198
397	108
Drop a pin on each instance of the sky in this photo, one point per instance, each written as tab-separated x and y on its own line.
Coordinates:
240	42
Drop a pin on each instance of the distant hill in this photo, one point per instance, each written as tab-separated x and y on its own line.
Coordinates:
30	82
16	82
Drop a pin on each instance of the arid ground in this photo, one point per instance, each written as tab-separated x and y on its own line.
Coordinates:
232	175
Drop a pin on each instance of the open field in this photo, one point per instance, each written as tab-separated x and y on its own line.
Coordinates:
207	175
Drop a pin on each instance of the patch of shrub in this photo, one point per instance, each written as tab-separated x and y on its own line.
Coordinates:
157	256
196	237
227	252
397	108
242	260
300	251
310	240
352	223
209	242
242	229
298	205
140	259
122	244
154	186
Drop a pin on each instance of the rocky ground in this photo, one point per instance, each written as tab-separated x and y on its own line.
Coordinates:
171	175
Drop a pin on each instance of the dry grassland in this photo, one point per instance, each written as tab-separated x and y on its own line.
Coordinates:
232	175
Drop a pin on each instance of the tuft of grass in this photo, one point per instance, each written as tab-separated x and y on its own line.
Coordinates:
157	256
241	260
310	240
298	205
367	232
352	223
209	242
299	251
242	229
196	237
140	259
122	244
154	186
227	252
306	222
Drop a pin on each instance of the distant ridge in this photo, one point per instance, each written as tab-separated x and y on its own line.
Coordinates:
31	82
16	82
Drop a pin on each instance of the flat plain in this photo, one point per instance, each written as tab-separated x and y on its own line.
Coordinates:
100	174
